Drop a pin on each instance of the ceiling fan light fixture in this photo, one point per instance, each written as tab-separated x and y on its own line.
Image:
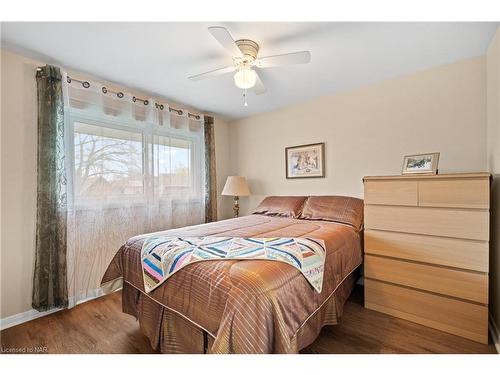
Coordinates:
246	62
245	78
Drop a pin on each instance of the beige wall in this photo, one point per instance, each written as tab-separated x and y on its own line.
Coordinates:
367	131
18	178
18	158
493	161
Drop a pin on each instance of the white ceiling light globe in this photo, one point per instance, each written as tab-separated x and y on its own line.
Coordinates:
245	78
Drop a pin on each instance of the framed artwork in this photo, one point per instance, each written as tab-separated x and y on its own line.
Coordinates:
422	163
305	161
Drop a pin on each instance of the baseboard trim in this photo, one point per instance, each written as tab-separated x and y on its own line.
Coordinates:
23	317
495	333
33	314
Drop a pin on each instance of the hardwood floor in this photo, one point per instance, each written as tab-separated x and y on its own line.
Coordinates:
366	331
99	326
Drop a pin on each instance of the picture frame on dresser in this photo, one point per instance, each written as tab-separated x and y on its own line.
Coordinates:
421	164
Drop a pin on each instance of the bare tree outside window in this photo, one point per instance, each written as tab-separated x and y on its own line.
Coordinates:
108	162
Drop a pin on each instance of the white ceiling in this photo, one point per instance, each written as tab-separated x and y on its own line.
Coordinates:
158	57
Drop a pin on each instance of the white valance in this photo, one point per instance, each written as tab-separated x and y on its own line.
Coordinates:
98	98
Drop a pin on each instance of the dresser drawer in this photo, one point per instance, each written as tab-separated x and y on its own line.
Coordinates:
467	285
452	252
445	222
457	317
465	193
402	193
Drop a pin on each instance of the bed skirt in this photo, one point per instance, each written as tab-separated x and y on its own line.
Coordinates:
170	332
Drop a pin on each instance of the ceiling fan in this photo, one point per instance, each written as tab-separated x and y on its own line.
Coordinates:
245	61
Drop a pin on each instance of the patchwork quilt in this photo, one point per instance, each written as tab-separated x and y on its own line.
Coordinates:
162	256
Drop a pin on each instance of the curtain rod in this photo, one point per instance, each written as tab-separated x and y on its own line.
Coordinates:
178	111
120	94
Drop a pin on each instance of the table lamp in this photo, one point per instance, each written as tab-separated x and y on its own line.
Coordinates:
237	187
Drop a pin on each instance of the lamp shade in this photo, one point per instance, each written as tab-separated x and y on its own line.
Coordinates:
236	186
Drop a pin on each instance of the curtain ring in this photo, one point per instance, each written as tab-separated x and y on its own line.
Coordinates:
68	79
161	107
134	99
119	94
104	90
146	102
86	84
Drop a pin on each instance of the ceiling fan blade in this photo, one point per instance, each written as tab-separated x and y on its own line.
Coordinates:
259	87
286	59
213	73
225	39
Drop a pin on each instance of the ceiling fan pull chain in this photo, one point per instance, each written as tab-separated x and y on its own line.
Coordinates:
245	104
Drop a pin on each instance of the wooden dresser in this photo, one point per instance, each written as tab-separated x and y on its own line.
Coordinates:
427	251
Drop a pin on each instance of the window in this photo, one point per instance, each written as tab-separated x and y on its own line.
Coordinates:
118	162
107	162
174	164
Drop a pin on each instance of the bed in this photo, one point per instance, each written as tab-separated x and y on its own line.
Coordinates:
247	306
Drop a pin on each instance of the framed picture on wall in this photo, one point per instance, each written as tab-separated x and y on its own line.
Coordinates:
422	163
305	161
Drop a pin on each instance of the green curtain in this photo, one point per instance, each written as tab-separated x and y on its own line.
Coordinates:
49	281
210	175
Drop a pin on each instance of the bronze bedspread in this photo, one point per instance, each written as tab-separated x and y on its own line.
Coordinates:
245	306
